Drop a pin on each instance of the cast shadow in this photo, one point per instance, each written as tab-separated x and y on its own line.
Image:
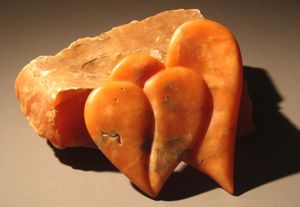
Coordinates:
182	184
81	158
270	153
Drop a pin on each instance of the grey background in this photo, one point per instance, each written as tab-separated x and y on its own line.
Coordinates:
32	173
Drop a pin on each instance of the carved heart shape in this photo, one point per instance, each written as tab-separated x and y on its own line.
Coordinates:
118	116
212	51
179	99
192	119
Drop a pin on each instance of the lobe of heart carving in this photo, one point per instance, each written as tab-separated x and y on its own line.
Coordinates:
118	116
211	50
179	99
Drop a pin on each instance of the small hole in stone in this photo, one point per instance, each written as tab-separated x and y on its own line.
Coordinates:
113	135
116	100
122	89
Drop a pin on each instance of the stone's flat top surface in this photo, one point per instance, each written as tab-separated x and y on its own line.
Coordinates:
88	61
267	167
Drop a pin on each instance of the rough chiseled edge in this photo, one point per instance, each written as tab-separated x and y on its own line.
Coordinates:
34	100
